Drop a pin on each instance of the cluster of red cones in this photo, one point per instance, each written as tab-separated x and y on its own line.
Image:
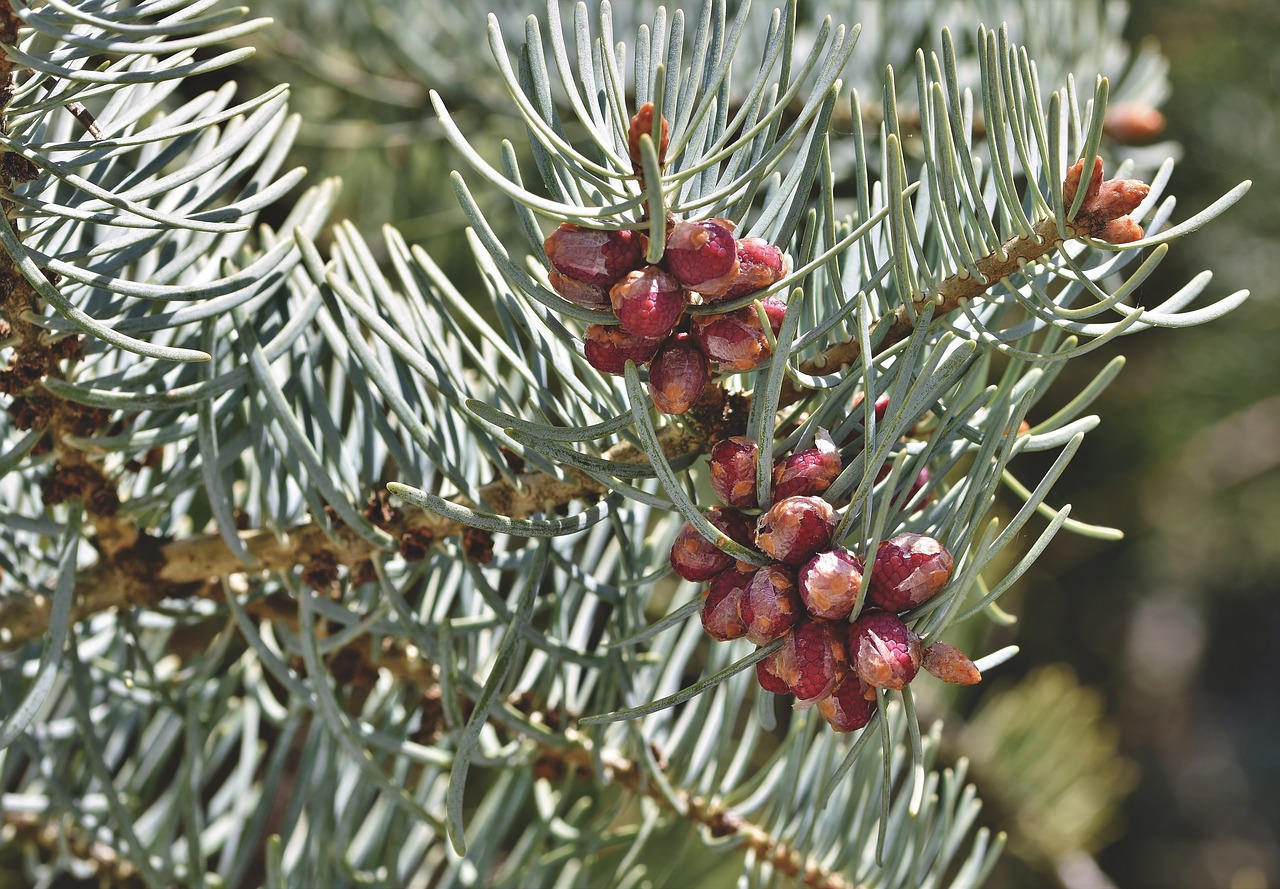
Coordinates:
806	592
703	264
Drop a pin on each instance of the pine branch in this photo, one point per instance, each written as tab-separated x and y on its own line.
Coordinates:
139	570
953	293
147	571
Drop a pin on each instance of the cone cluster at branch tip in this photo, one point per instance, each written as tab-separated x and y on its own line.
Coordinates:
807	591
702	264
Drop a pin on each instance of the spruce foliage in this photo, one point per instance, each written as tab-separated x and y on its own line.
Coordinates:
323	566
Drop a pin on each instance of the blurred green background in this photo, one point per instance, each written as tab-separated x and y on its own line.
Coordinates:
1179	625
1174	633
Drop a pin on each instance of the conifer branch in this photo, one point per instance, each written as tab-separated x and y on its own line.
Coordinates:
140	570
1101	216
144	571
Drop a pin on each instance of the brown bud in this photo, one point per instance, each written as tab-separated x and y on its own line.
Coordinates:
950	664
641	123
1103	210
1132	122
678	374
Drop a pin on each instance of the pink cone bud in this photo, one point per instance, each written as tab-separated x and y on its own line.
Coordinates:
819	658
678	375
721	611
734	340
769	605
777	672
909	569
760	265
809	472
699	251
775	310
883	650
696	558
795	528
851	706
648	302
829	584
580	293
607	348
593	256
733	470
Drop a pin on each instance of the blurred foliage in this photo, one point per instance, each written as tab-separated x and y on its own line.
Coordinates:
1181	622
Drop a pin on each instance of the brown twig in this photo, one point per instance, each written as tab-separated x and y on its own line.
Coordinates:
954	292
719	819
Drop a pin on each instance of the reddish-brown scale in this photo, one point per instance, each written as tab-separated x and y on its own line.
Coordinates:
721	613
699	251
909	569
607	348
760	265
795	528
883	650
777	672
648	302
593	256
809	472
733	470
829	584
734	340
580	293
678	375
695	558
769	604
820	660
851	706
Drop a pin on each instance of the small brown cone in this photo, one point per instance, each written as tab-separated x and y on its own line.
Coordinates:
950	664
641	123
